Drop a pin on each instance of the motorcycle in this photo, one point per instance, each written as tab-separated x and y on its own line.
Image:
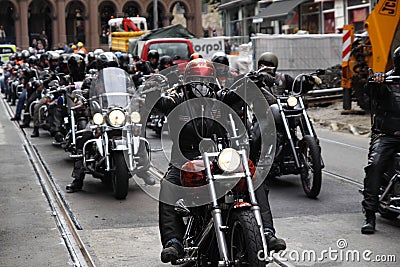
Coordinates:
116	150
69	109
298	150
223	225
389	198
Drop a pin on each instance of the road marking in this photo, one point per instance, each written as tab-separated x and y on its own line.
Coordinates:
343	178
343	144
2	135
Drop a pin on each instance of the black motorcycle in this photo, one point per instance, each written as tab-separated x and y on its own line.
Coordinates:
298	150
389	198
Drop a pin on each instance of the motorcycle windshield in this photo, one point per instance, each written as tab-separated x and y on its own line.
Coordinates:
113	87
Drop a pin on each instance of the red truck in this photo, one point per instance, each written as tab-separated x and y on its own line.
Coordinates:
179	49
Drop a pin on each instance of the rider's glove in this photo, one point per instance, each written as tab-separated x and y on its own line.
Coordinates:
317	80
268	79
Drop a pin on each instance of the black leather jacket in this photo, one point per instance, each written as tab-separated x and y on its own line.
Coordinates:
190	121
385	100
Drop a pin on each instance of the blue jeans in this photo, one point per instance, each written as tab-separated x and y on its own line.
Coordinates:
21	102
3	85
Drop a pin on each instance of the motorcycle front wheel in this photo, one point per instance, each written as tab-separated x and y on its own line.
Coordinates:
120	175
245	243
311	170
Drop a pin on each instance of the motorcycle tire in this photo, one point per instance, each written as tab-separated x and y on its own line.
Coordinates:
120	175
390	215
244	239
310	158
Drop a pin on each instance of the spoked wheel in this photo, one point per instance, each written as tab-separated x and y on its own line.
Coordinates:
120	175
311	172
245	243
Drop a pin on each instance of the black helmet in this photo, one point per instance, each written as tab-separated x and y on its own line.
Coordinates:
124	61
76	67
195	56
106	59
396	61
43	57
165	60
268	59
221	58
153	54
33	60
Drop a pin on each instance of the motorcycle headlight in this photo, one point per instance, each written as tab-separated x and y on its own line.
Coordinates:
229	160
98	119
135	117
292	101
116	118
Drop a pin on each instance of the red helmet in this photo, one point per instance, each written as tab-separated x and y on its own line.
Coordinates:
200	70
193	173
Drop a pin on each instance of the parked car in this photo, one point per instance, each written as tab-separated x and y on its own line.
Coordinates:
6	50
179	49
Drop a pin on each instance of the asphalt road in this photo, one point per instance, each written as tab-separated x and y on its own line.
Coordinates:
125	233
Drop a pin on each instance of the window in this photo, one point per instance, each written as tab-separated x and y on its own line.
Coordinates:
204	8
310	17
173	50
329	22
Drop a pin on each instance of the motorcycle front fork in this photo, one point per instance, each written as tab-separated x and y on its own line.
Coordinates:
220	228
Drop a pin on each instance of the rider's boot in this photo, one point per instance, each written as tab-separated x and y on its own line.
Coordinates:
75	186
26	121
147	178
15	118
369	225
35	132
273	242
172	251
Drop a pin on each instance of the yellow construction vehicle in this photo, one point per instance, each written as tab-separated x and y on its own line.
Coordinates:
123	29
372	49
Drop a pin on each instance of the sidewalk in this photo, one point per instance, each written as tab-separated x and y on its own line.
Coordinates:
28	231
332	117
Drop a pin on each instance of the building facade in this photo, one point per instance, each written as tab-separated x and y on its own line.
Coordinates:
244	17
70	21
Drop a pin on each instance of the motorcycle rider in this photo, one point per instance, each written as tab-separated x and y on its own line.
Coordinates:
104	60
170	223
33	95
76	67
274	243
153	57
165	63
226	76
195	56
385	138
91	61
